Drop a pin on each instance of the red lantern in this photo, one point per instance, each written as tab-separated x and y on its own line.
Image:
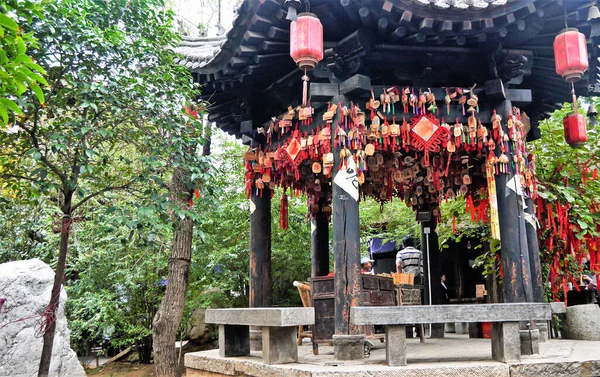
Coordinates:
575	130
570	54
306	41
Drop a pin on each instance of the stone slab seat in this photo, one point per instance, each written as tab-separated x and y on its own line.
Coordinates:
279	327
505	320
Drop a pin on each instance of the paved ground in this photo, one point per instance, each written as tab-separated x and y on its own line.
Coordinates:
455	356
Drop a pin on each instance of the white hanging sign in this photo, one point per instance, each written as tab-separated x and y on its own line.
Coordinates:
346	178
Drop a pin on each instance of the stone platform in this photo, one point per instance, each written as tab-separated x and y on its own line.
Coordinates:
457	355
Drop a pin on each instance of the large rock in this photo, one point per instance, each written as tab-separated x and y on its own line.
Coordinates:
196	327
26	286
583	322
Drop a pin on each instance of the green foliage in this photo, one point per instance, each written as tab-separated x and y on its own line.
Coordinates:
19	74
113	116
220	261
101	150
467	228
115	276
560	171
393	223
26	230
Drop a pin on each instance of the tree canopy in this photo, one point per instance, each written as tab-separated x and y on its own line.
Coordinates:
19	73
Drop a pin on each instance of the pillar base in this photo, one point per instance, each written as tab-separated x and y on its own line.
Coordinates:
256	338
530	342
543	327
349	347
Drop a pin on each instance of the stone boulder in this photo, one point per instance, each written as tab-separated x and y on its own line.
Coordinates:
583	322
26	286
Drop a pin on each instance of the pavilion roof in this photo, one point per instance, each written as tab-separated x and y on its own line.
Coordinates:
248	73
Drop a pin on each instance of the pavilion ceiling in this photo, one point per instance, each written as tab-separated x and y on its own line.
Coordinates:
250	76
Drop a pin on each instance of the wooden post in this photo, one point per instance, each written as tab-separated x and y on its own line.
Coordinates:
260	258
319	226
346	248
431	258
260	249
513	234
534	254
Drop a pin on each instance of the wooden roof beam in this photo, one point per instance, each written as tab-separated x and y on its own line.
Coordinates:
278	33
245	50
268	7
466	28
272	46
406	19
426	25
387	8
419	37
382	26
445	27
365	17
259	24
253	38
270	58
398	33
355	85
238	62
351	11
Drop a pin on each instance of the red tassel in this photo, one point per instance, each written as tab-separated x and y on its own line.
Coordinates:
470	207
453	224
283	211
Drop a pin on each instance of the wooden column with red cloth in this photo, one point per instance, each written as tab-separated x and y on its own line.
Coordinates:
514	251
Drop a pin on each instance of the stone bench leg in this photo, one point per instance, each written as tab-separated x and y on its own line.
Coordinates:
395	348
234	340
506	342
279	345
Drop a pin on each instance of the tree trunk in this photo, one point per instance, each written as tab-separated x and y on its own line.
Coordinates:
168	317
50	319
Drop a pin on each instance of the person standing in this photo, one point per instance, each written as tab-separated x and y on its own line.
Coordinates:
409	260
366	266
445	297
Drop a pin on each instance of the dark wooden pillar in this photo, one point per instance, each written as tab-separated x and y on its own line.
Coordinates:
515	255
431	265
534	252
346	250
319	230
260	249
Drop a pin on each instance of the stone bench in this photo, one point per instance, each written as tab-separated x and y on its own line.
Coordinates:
505	318
279	326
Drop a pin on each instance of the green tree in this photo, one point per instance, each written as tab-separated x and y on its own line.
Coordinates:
113	115
115	275
18	72
568	177
393	221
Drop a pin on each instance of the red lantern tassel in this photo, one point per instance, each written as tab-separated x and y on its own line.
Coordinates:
283	211
453	224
